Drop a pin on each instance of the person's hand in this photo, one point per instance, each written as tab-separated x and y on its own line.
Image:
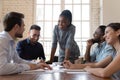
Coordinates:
90	42
87	68
49	62
39	66
79	60
67	64
44	66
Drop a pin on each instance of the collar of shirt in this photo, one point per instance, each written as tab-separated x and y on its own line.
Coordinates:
28	42
8	36
102	44
12	42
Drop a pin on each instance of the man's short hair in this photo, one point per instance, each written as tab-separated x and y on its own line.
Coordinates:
36	27
102	28
11	19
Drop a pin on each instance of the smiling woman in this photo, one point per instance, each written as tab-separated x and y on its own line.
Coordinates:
81	19
63	34
112	37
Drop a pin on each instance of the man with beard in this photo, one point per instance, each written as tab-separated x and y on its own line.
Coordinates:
100	56
10	62
101	50
30	48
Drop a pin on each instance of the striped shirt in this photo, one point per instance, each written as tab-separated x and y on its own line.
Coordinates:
10	62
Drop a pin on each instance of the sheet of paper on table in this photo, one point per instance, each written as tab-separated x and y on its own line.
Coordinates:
32	71
74	71
54	70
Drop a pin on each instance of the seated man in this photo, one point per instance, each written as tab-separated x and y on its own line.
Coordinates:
10	62
30	48
102	54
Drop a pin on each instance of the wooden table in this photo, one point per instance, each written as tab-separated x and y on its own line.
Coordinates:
41	75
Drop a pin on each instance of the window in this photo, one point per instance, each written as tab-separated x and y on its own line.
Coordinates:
47	14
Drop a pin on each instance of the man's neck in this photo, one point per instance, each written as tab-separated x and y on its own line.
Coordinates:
12	34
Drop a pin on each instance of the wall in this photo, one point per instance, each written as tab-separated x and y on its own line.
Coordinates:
1	27
24	6
111	12
94	15
0	8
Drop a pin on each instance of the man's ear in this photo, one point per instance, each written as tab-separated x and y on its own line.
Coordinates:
16	27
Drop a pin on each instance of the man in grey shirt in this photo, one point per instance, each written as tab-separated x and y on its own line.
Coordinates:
10	62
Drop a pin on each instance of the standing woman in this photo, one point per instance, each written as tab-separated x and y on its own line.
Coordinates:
112	36
64	34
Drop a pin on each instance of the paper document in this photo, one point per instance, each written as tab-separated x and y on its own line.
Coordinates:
32	71
53	71
74	70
